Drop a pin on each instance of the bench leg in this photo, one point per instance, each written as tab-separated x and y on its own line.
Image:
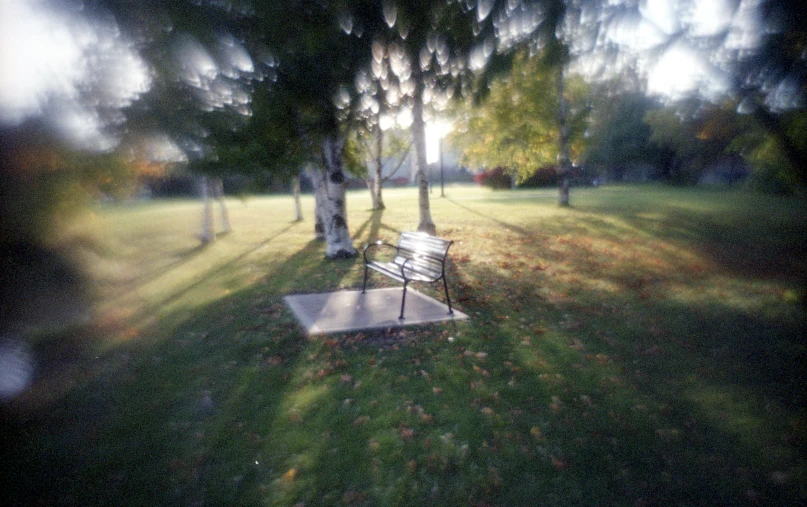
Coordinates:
364	285
403	302
445	286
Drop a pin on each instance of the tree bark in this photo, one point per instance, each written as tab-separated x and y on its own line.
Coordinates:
318	182
338	244
378	182
208	234
419	133
298	207
563	143
218	191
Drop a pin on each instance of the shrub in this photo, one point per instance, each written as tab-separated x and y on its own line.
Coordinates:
495	178
543	177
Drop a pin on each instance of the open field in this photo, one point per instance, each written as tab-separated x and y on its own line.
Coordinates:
643	347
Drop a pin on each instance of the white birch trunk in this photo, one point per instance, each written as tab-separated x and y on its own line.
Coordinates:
563	143
378	181
378	184
298	206
338	244
208	234
371	184
218	187
320	198
419	133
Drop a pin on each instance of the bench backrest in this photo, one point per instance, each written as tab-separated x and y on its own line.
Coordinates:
428	253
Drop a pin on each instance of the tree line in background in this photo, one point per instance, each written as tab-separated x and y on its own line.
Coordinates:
542	89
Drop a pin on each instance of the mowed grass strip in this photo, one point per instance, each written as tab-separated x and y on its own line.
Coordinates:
643	347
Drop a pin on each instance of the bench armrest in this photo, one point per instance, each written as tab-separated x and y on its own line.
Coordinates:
377	244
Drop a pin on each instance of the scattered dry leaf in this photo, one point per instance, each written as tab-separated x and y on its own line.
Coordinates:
294	416
559	463
667	433
494	477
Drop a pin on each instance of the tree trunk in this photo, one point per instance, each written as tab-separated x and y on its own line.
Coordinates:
563	143
338	244
378	182
318	182
208	234
371	179
419	133
218	191
298	207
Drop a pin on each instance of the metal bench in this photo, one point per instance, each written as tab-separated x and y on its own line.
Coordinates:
418	258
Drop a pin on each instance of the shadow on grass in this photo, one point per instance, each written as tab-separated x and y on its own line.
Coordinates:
651	402
157	420
372	227
182	257
509	227
559	392
151	310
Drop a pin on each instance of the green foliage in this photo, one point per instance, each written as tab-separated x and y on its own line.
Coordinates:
618	134
44	182
697	134
773	170
517	125
355	162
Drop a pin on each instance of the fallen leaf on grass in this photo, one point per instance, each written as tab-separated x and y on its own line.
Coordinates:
559	463
353	497
494	477
652	351
437	390
290	475
488	411
361	420
535	431
667	433
556	406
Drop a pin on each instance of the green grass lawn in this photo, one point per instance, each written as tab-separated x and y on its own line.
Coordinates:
643	347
